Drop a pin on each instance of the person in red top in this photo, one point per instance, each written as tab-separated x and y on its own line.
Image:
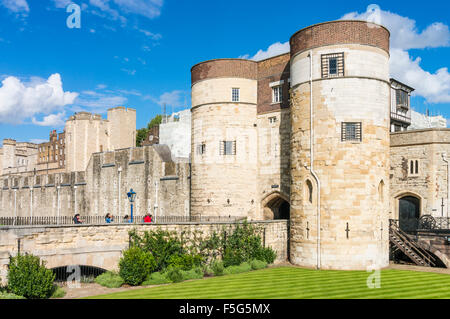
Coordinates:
148	218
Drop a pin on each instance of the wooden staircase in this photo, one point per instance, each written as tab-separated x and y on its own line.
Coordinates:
399	240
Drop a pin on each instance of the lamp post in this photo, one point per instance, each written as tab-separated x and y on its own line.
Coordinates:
131	197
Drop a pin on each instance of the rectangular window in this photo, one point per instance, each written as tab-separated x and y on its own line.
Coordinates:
332	65
235	95
351	132
228	148
201	149
414	167
402	98
277	94
272	120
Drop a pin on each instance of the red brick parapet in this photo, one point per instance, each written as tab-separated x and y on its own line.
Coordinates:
220	68
340	32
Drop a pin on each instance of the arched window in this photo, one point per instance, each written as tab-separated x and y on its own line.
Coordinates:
309	191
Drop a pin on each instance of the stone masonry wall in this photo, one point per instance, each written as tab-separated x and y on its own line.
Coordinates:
102	245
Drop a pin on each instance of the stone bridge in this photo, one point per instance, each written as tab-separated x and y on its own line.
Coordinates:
102	245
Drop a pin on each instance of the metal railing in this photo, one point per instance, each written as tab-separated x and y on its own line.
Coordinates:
98	220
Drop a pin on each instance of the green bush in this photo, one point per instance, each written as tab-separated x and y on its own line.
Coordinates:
58	292
266	254
258	264
195	273
136	265
110	280
160	243
217	268
185	261
5	295
207	270
175	274
244	267
156	278
28	277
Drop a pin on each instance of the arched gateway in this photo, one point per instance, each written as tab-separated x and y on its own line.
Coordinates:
276	206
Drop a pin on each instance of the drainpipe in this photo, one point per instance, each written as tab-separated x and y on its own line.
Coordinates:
156	200
31	206
75	199
58	188
15	206
444	157
311	168
119	170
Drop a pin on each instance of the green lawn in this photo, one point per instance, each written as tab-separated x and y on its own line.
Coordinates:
296	283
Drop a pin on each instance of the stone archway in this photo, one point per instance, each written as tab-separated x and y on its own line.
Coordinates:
409	212
276	206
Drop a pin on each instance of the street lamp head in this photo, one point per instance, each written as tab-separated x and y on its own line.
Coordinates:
131	195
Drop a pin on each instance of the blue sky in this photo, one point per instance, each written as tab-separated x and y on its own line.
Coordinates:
138	53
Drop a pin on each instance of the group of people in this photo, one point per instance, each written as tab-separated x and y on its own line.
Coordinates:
110	218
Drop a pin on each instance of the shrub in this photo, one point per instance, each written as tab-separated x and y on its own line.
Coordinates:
185	261
217	268
5	295
136	265
110	280
195	273
244	267
266	254
156	278
207	270
175	274
28	277
258	264
160	243
58	292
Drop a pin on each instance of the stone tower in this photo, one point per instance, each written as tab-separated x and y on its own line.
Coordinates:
340	145
224	145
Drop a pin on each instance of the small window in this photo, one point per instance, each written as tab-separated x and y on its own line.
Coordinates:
351	132
277	94
309	191
414	167
332	65
228	148
201	149
235	95
272	119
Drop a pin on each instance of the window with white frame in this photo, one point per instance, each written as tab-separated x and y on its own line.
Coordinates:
277	94
235	94
414	167
272	119
332	65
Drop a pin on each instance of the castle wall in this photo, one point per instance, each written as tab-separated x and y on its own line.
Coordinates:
353	175
96	191
224	185
430	185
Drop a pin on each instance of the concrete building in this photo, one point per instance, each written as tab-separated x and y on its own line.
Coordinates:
175	132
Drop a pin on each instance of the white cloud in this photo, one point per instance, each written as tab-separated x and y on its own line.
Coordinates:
16	6
176	99
130	72
62	3
434	87
38	141
273	50
52	120
95	102
147	8
22	100
151	35
404	33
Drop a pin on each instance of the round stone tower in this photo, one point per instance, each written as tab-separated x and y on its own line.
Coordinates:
340	146
224	146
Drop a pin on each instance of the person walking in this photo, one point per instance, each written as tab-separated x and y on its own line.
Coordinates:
77	220
147	218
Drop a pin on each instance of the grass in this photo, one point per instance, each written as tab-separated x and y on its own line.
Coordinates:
297	283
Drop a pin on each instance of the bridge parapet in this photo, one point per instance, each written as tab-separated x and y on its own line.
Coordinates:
102	245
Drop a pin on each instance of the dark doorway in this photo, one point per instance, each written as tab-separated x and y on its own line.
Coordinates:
278	208
86	273
409	213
